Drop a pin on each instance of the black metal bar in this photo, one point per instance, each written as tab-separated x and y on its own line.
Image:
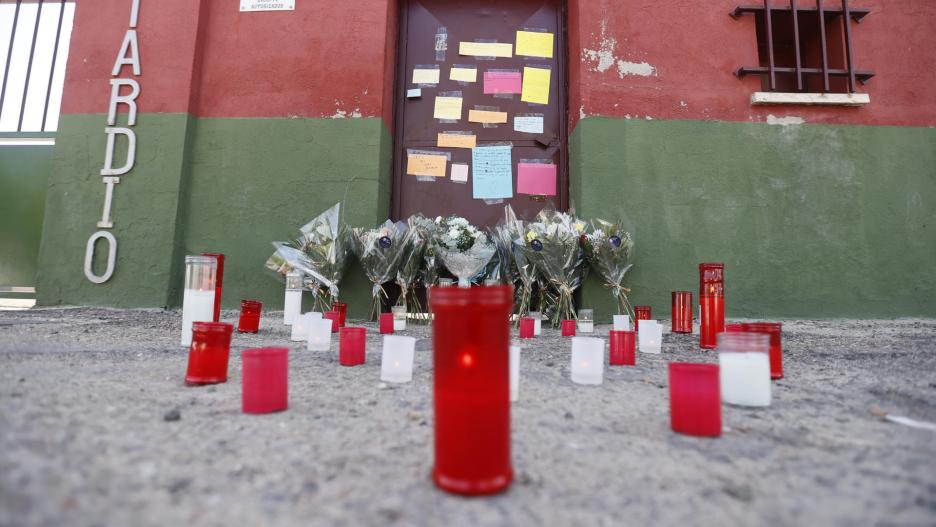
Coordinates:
796	45
58	34
848	47
856	13
861	75
770	60
32	53
6	70
825	49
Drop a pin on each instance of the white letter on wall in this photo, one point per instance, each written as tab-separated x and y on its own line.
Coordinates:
111	257
129	100
108	169
109	183
134	14
129	44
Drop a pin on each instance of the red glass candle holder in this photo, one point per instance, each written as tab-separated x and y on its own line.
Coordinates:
208	354
342	309
712	302
641	313
351	345
622	348
386	323
734	328
527	327
682	312
219	278
568	328
335	317
471	340
265	380
695	399
249	321
774	330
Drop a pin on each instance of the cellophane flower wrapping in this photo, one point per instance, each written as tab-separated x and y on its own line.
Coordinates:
514	266
463	248
411	263
320	252
380	252
552	242
609	249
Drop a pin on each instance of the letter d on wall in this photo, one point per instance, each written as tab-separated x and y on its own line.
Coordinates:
111	257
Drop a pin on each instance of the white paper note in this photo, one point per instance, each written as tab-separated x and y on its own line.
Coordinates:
528	124
460	172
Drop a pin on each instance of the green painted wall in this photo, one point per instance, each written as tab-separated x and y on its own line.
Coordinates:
24	177
810	220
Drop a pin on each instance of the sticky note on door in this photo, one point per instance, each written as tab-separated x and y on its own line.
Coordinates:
448	108
492	173
485	116
536	178
535	44
530	124
426	165
486	49
463	74
535	85
426	76
450	140
502	82
460	172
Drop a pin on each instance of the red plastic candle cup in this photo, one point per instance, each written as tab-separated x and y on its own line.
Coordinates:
695	399
527	327
734	328
774	330
351	344
386	323
682	312
335	317
342	309
219	278
208	354
471	366
568	328
623	348
712	303
249	321
266	380
641	313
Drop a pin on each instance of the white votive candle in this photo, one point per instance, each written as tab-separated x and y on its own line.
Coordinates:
399	318
514	373
744	365
587	360
622	323
586	321
650	337
292	304
197	306
301	325
396	360
320	333
537	322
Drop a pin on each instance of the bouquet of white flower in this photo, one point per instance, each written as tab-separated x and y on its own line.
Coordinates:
463	248
514	266
411	264
609	249
380	251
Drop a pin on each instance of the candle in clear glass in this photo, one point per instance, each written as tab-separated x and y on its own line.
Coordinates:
682	312
471	376
351	346
527	326
320	331
300	327
587	360
695	400
342	309
650	337
774	329
249	321
586	321
641	313
219	280
622	323
199	294
386	323
446	282
712	301
396	359
745	368
399	318
537	322
622	348
208	354
514	373
568	328
334	316
292	304
265	376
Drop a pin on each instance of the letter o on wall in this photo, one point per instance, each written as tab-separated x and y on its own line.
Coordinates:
111	257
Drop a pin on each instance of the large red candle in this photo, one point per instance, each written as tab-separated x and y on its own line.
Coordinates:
527	327
219	278
352	346
712	301
773	329
249	321
342	309
265	379
386	323
471	366
695	399
641	313
682	312
568	328
622	348
209	352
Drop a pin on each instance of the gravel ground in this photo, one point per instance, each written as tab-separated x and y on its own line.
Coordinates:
87	397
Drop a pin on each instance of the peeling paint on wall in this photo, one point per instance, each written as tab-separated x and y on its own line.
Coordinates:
604	58
789	120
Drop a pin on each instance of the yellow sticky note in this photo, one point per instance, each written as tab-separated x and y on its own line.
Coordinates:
486	49
426	165
464	74
447	108
456	140
535	85
426	76
484	116
534	44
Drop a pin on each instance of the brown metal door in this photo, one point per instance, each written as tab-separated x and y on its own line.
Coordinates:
416	128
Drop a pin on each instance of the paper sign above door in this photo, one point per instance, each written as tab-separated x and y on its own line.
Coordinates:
267	5
485	49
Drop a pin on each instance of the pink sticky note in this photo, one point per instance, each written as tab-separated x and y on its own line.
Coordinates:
502	82
536	178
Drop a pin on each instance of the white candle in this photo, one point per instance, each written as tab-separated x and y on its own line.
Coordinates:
301	325
197	306
621	322
650	337
744	365
396	360
320	332
292	305
514	373
537	322
586	321
399	318
587	360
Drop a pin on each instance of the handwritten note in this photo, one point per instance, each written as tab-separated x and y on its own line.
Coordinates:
449	108
485	116
492	172
485	49
460	172
502	82
426	165
535	44
426	76
530	124
445	140
536	178
463	74
535	85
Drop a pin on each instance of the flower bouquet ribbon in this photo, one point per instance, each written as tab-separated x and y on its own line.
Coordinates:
380	252
609	249
463	248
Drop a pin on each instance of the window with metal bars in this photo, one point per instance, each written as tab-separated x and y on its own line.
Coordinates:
34	39
805	48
